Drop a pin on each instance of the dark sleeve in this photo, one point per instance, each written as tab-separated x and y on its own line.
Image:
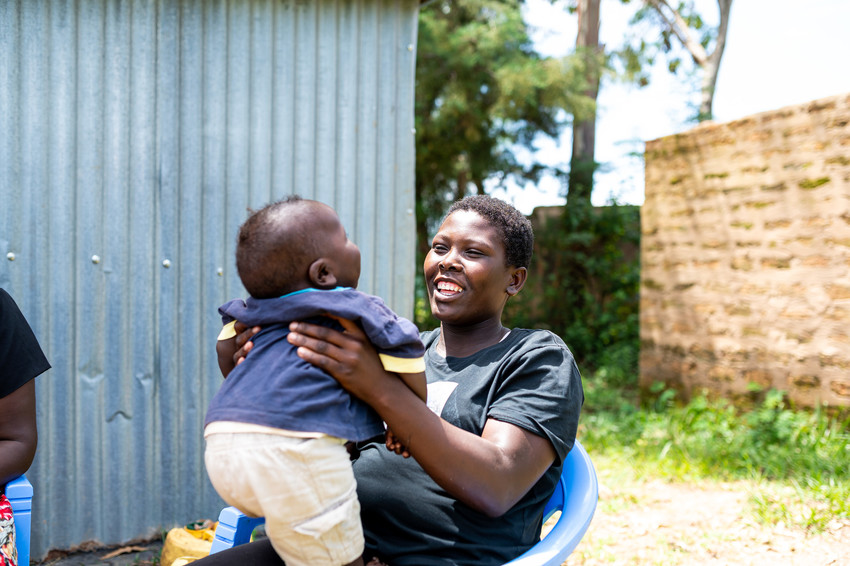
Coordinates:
21	358
542	393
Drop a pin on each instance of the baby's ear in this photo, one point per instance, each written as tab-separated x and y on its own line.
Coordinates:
321	274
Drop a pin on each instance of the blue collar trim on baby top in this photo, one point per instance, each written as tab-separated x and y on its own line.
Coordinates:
308	289
228	331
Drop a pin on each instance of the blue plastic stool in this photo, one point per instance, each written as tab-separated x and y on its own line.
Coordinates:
575	497
19	493
234	528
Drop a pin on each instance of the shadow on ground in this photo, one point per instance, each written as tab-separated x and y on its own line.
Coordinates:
140	554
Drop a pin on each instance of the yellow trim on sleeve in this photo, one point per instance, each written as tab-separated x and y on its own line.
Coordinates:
227	331
402	365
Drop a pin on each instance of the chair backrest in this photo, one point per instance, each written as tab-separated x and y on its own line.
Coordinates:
575	497
19	493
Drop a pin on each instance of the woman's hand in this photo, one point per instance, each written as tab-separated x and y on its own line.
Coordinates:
489	473
232	352
394	444
351	359
348	356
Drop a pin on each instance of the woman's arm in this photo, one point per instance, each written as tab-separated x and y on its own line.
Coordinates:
416	382
18	433
490	473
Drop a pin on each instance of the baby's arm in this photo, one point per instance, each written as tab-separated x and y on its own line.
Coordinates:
224	350
233	344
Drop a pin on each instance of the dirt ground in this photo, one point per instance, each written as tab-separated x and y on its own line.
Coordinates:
639	523
655	522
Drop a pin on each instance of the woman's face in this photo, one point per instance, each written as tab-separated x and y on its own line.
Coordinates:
465	271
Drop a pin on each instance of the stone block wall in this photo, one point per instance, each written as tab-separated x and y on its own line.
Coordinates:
745	251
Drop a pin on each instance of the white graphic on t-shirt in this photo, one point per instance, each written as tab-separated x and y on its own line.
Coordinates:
438	394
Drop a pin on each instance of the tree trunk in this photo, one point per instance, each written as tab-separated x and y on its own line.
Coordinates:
711	66
582	160
709	81
709	63
460	187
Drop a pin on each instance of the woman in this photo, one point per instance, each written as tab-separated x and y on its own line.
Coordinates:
502	412
21	360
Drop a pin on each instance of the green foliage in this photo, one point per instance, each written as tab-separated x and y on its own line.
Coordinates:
482	93
649	17
655	34
584	286
421	307
801	459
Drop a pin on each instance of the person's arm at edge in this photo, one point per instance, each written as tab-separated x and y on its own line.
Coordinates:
18	432
490	473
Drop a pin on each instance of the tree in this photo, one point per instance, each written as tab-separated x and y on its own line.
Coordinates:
483	94
681	22
683	26
583	160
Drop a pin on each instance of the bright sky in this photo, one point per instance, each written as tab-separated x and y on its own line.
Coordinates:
778	53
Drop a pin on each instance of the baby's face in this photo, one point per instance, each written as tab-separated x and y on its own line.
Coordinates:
343	253
349	259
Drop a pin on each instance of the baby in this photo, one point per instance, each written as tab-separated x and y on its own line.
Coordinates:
277	428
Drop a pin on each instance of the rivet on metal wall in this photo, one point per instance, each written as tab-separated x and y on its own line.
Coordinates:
166	263
10	256
410	47
219	272
413	131
95	259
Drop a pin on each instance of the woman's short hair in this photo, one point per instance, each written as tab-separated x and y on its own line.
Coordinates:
514	227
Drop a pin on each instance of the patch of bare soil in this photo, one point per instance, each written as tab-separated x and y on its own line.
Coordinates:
656	522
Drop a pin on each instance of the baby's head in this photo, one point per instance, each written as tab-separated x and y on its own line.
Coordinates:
293	244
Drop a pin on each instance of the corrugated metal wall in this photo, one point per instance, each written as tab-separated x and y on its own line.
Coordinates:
133	137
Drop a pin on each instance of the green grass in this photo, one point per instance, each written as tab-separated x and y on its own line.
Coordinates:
798	460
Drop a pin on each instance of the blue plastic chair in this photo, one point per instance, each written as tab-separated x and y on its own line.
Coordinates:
19	493
575	497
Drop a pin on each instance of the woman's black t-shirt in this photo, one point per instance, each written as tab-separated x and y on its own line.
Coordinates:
21	358
530	380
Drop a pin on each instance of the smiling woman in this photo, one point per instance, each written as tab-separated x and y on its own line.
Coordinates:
473	267
502	412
